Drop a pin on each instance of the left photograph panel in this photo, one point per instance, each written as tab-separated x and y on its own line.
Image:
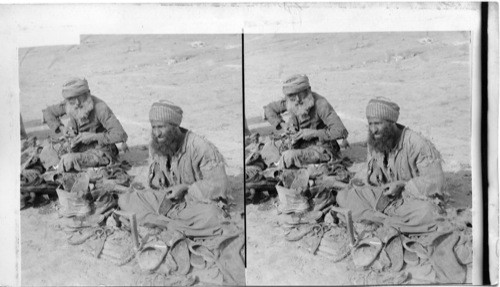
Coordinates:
132	161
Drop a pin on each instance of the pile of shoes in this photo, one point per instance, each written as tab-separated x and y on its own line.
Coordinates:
384	255
37	169
305	194
79	197
171	255
261	161
80	194
312	188
164	256
318	182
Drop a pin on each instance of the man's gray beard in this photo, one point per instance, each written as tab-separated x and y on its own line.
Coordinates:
386	143
80	114
300	110
162	148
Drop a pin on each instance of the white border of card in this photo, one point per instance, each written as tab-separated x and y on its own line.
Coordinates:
35	25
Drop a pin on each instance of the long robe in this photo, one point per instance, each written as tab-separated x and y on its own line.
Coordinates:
415	161
198	164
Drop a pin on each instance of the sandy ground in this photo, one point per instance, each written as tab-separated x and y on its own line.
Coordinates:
427	74
200	73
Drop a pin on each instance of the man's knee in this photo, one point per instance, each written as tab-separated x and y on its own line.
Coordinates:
70	158
78	161
208	215
213	212
429	211
69	161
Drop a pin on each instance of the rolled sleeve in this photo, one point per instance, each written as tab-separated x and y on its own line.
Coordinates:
429	177
273	113
212	186
52	115
212	180
430	181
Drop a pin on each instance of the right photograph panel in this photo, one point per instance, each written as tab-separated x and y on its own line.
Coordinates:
358	158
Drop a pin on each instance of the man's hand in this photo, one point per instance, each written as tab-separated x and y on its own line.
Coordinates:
306	134
394	189
177	192
65	131
85	138
376	177
287	128
124	147
345	144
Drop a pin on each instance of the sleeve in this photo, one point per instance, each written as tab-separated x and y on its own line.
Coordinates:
52	115
334	127
114	131
429	179
273	112
213	181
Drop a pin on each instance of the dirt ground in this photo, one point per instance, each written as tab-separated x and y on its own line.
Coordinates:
200	73
427	74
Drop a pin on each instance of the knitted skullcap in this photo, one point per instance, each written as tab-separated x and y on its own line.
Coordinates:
167	112
382	108
75	87
295	84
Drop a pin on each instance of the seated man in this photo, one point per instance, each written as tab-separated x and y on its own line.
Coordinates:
187	176
92	125
404	175
315	126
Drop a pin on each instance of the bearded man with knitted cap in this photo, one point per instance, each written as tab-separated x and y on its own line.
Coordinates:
93	128
313	123
187	178
404	178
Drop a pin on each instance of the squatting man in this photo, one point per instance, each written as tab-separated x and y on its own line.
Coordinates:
314	127
93	128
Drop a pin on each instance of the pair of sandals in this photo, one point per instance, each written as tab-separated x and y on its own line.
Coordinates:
367	250
151	254
398	251
183	252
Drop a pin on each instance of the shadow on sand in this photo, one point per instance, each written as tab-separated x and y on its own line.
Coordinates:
458	189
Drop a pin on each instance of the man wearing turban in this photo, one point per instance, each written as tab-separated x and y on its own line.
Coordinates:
93	127
313	123
404	175
187	178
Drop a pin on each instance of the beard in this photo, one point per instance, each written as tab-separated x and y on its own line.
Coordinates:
386	142
82	112
168	147
301	109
